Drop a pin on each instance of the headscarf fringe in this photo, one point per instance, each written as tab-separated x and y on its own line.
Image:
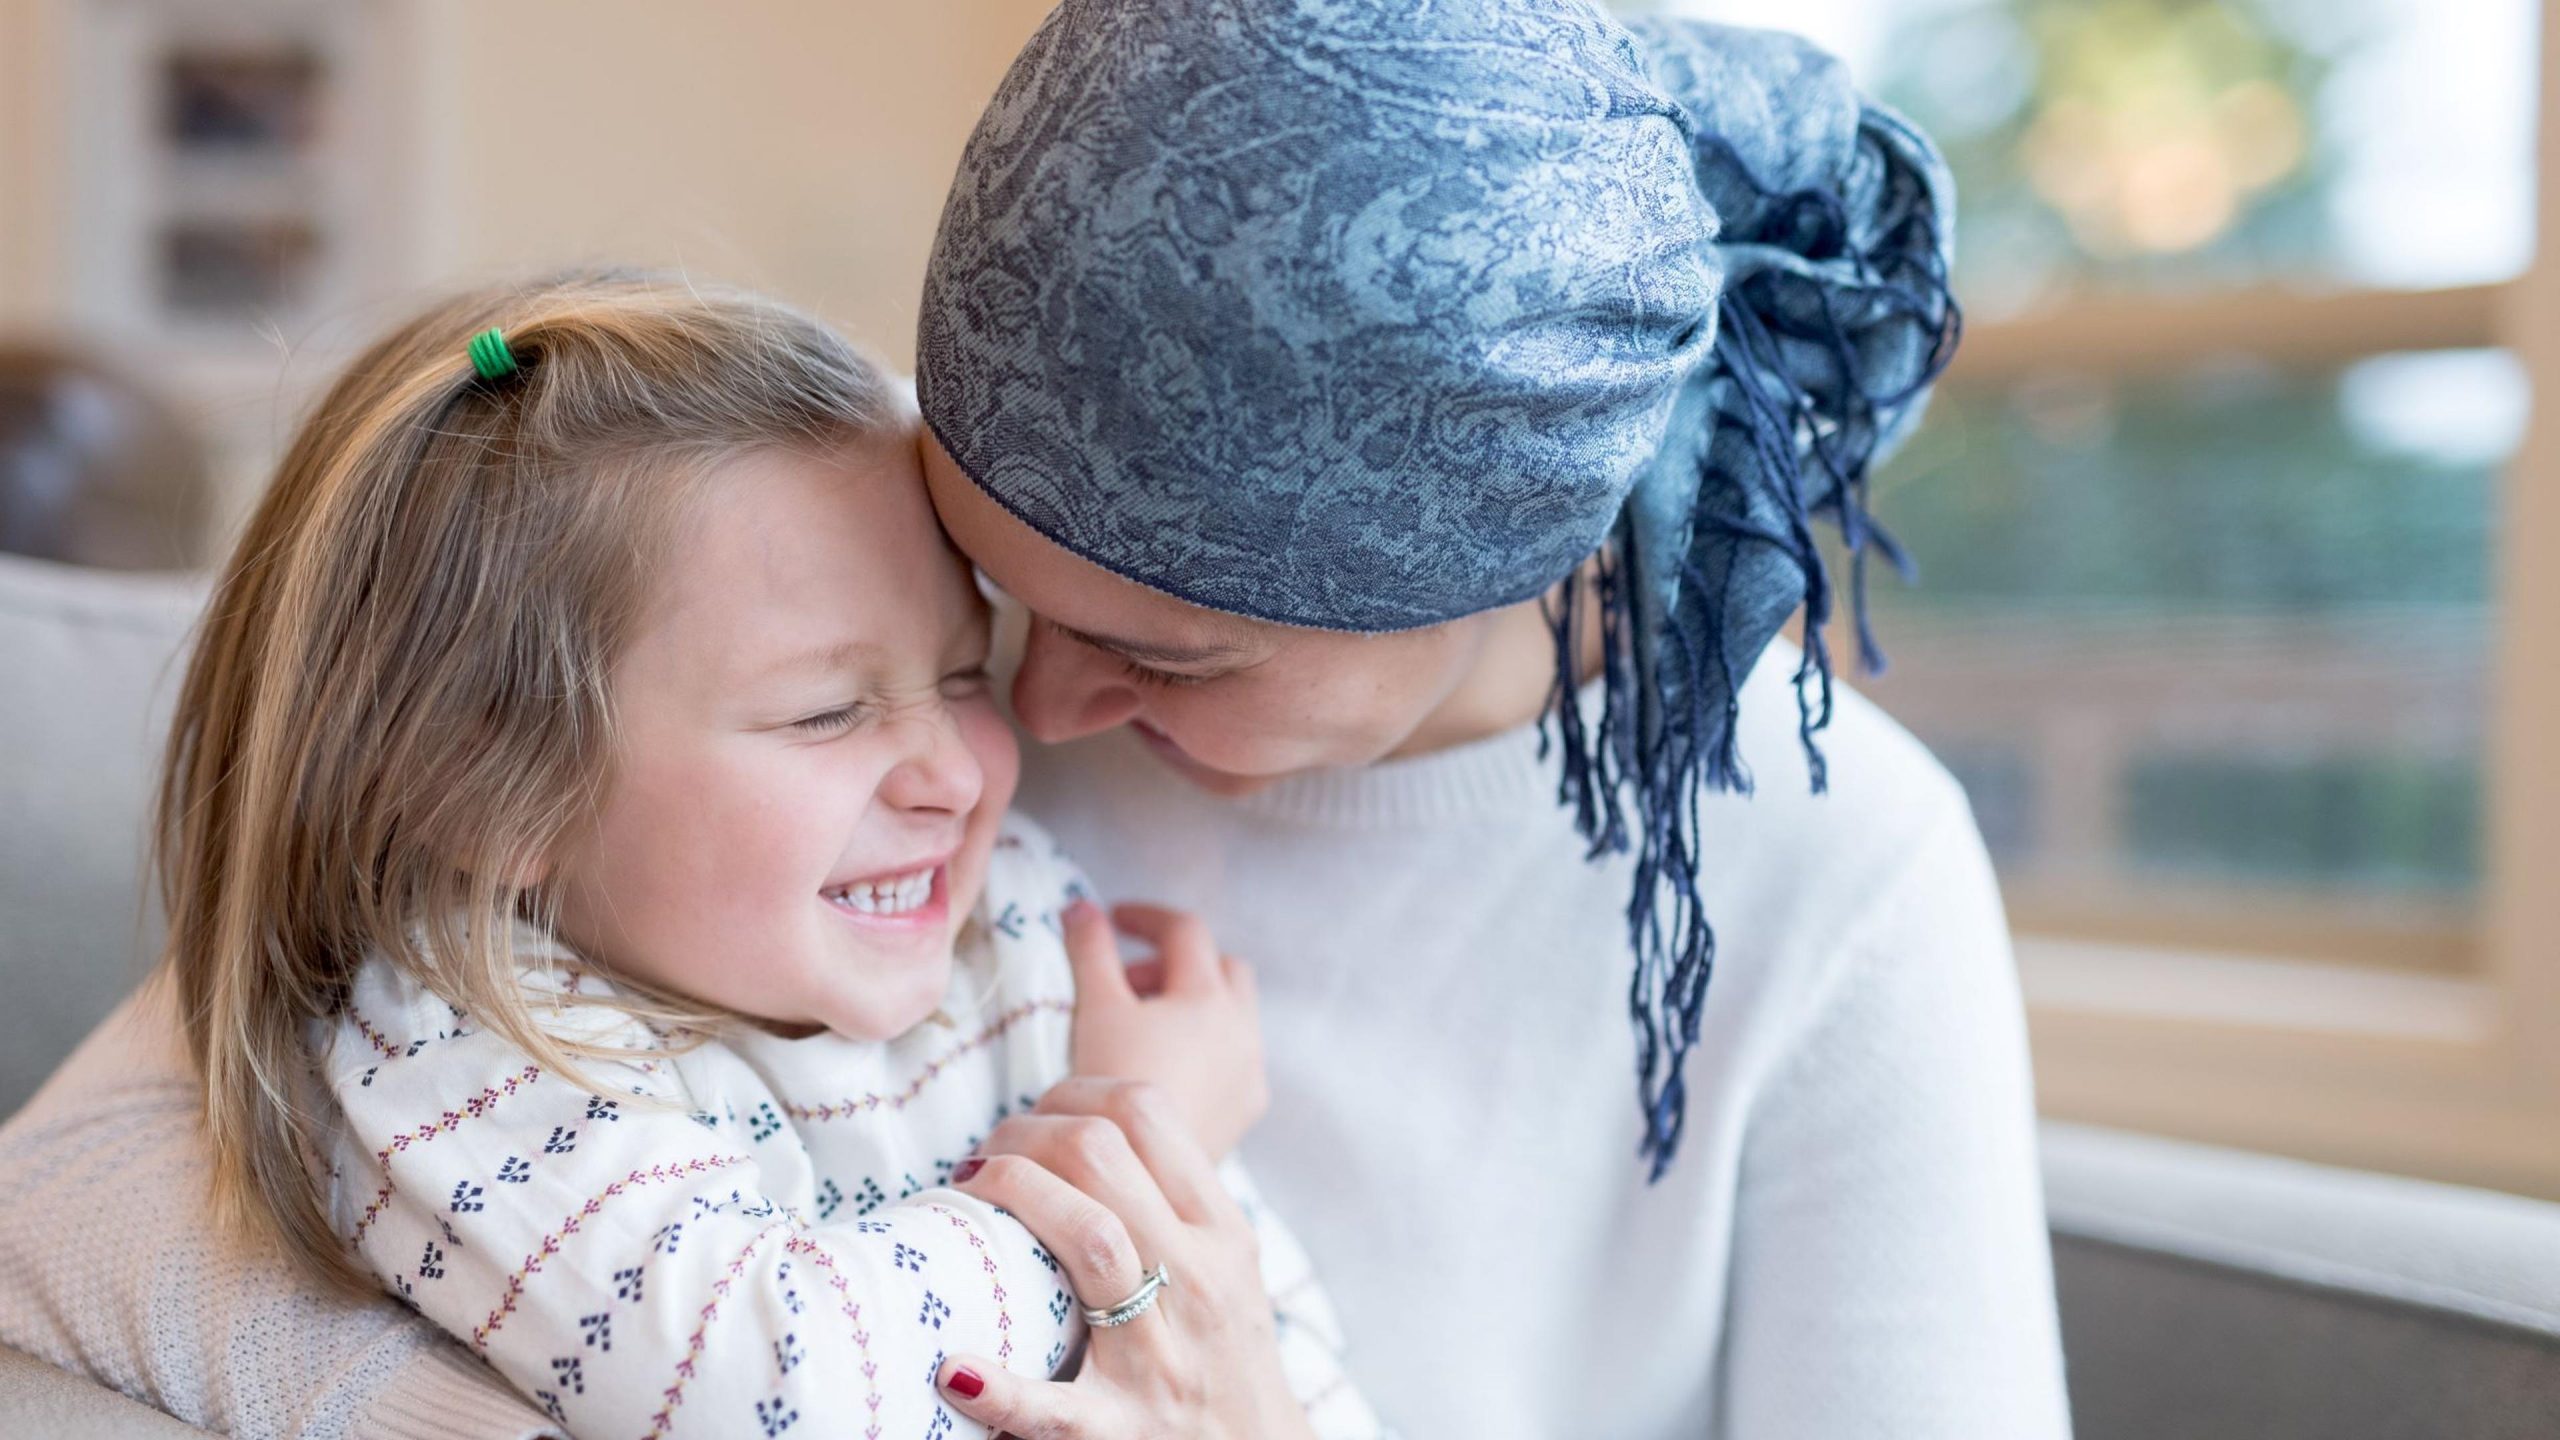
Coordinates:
1633	778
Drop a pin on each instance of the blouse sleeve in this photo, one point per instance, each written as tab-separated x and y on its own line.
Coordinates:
1309	1331
626	1264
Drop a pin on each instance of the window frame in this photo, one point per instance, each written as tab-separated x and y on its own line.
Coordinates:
2449	1077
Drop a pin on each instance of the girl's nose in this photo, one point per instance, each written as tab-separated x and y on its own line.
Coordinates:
1065	689
941	772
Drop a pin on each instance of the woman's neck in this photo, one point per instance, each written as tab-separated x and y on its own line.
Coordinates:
1512	679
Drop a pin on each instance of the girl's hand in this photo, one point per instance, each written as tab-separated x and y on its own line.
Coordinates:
1103	1174
1187	1019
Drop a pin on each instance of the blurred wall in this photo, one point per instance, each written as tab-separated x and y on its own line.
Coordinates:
797	146
802	146
29	163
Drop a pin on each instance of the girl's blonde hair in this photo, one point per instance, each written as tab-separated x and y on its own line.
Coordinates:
397	707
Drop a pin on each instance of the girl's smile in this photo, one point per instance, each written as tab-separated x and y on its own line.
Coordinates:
914	899
809	765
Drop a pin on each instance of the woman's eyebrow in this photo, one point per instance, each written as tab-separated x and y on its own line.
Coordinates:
1154	653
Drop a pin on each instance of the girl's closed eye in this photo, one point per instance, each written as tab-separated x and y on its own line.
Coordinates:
830	722
958	685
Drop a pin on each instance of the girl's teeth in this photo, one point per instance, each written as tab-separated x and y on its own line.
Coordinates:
888	897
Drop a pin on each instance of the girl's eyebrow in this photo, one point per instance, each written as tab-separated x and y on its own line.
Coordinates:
836	658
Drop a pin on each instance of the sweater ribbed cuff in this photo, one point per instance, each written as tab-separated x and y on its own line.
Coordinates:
443	1394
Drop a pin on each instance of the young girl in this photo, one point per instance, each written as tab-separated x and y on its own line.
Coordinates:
594	908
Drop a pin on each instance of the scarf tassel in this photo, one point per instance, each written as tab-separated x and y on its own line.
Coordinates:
1634	777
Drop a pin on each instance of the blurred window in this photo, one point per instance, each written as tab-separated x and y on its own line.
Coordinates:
2207	510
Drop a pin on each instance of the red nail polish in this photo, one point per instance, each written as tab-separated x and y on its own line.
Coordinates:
959	1175
964	1382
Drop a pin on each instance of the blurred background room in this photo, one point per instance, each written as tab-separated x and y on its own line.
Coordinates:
2238	522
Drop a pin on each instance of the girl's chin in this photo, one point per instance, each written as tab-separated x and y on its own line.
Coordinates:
876	1018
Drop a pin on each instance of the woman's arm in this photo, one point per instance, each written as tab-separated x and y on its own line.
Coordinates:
1891	1273
114	1267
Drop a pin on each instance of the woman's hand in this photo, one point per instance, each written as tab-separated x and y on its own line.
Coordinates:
1103	1174
1187	1019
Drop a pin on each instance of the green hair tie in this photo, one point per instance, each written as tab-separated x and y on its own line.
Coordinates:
490	355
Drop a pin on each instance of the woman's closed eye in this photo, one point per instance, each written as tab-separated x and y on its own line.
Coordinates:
1153	679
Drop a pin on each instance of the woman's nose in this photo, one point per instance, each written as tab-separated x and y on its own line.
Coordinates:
1065	689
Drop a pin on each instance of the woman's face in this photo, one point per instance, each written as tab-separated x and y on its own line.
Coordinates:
1230	704
809	766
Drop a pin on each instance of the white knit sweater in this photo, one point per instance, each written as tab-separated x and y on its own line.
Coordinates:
1852	1241
1851	1244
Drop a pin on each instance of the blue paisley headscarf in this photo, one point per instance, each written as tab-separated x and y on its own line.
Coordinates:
1367	316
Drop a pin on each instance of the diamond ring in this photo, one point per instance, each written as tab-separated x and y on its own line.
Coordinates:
1142	1300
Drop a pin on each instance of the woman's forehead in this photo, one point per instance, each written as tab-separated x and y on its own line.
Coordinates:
1077	595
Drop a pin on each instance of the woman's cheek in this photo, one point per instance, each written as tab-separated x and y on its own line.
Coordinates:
1246	726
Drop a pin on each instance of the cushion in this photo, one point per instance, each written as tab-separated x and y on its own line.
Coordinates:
88	668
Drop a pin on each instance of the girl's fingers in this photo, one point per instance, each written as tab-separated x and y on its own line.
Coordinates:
1182	940
1146	977
1082	1234
1008	1404
1094	953
1182	1171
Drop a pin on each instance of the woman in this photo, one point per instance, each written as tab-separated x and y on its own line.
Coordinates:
1283	357
1346	390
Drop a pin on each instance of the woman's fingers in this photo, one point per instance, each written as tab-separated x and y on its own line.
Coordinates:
1183	944
1093	1154
1007	1404
1093	952
1078	1230
1181	1170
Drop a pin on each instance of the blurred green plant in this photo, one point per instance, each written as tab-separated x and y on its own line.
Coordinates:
2230	488
2148	141
2370	822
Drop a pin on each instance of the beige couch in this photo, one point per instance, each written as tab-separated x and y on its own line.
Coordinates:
2205	1294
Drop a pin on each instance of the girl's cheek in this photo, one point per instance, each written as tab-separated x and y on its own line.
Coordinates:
999	756
991	743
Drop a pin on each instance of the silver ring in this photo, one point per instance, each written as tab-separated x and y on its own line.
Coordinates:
1138	1303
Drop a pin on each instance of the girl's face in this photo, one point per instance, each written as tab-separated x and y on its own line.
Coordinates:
809	767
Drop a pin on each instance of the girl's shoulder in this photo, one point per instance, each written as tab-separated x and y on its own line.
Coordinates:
391	1016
